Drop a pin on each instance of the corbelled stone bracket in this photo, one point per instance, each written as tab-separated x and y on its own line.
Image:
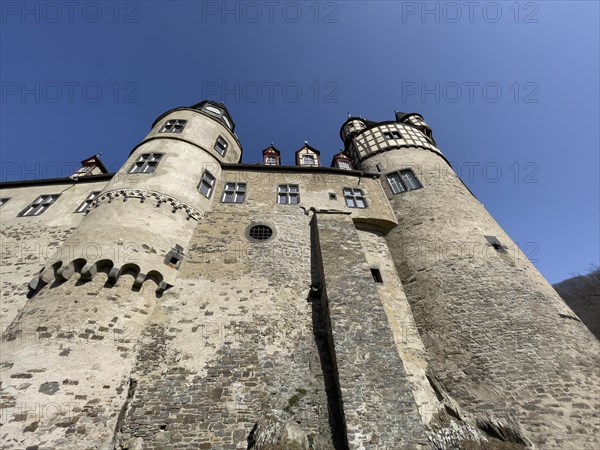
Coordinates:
143	195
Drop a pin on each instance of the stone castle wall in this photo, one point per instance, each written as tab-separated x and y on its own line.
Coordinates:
292	342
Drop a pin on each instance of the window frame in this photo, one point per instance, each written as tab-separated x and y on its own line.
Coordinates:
343	161
39	205
171	126
312	159
288	194
405	188
354	196
144	161
87	201
221	140
211	185
391	135
235	191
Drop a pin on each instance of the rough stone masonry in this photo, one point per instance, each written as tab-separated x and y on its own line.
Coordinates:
190	301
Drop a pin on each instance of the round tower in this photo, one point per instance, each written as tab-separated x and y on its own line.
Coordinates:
142	221
506	354
76	339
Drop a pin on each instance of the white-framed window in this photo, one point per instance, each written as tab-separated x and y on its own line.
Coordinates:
308	159
218	113
403	180
146	163
270	161
173	126
221	146
390	135
207	184
354	198
85	205
288	194
4	200
213	110
83	170
234	193
343	165
39	205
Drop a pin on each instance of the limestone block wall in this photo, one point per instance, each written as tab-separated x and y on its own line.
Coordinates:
505	351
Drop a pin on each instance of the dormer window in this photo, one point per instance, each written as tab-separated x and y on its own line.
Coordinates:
343	165
213	110
218	113
271	156
226	120
308	160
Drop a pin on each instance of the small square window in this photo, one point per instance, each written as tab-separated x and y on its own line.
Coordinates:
146	163
391	135
288	194
354	198
207	183
39	205
85	205
234	193
332	196
376	274
270	161
403	180
221	146
173	126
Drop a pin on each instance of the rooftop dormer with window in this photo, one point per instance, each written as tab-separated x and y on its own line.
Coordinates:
90	166
216	110
342	161
308	156
271	156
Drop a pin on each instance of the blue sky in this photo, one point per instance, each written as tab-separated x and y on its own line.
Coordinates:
511	90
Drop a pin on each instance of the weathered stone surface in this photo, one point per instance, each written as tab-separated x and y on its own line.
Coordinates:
288	343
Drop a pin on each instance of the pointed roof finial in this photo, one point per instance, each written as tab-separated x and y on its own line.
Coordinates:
306	142
349	115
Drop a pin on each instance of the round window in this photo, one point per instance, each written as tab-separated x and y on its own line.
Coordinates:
260	232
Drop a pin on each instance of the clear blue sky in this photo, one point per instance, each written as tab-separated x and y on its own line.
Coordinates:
511	91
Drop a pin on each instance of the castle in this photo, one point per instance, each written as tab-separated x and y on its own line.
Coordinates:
189	301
